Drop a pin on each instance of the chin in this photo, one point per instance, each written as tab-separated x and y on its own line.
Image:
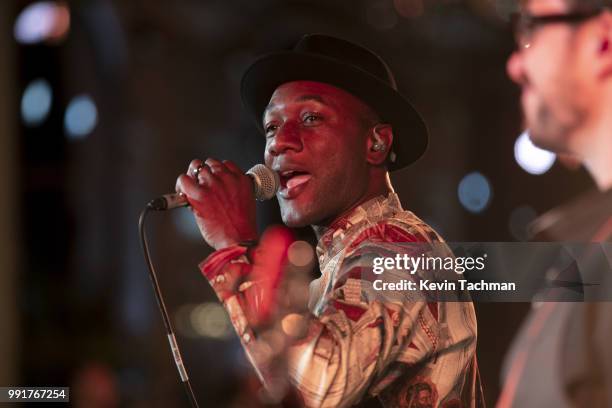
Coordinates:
297	217
295	223
542	142
548	139
550	130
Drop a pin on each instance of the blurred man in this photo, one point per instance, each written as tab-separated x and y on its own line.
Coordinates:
563	64
335	125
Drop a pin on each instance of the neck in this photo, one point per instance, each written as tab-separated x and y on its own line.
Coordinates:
600	167
381	188
597	154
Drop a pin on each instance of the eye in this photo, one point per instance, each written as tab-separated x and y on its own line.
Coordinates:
310	118
270	129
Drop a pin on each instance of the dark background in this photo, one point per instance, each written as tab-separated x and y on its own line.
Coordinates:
77	307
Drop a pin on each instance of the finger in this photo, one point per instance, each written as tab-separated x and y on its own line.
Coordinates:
216	166
206	177
232	167
188	186
193	166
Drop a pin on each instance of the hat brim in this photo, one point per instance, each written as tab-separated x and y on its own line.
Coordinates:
270	71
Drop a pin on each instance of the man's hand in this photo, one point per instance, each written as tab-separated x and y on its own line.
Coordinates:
221	197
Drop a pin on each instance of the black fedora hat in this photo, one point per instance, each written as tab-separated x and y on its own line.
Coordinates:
353	68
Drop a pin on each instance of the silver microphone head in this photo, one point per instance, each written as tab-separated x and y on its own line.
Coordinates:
265	181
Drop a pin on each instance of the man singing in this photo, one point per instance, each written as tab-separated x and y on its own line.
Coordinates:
563	63
335	125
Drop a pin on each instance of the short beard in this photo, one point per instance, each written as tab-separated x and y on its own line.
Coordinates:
550	133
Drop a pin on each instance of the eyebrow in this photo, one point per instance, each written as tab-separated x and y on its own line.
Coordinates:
301	98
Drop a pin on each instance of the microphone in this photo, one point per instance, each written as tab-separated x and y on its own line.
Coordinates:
265	186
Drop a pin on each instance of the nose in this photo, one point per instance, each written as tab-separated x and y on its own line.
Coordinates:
287	137
515	68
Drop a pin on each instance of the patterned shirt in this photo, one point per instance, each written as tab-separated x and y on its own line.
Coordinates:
361	342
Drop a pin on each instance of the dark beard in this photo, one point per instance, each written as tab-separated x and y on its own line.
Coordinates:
549	133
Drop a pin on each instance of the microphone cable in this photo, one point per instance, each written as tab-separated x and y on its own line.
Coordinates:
176	354
265	185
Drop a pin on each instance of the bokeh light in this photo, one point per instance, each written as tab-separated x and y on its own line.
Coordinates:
409	8
42	21
474	192
531	158
36	102
300	254
210	320
294	325
81	117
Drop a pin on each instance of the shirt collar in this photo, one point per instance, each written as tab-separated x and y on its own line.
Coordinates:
372	210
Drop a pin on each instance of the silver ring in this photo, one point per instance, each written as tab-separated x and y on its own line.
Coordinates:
197	170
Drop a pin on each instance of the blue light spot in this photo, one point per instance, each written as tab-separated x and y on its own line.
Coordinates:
36	102
474	192
81	117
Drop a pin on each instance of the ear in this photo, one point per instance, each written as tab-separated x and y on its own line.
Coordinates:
379	143
604	52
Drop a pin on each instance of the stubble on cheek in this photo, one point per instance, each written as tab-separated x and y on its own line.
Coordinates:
542	102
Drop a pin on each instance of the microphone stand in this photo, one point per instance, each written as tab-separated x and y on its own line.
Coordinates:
162	308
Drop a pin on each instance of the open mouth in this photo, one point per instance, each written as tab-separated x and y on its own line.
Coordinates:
292	182
292	178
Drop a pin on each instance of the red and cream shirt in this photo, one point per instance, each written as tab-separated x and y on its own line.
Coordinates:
359	342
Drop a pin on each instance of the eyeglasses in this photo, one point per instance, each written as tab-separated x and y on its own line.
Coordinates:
524	25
